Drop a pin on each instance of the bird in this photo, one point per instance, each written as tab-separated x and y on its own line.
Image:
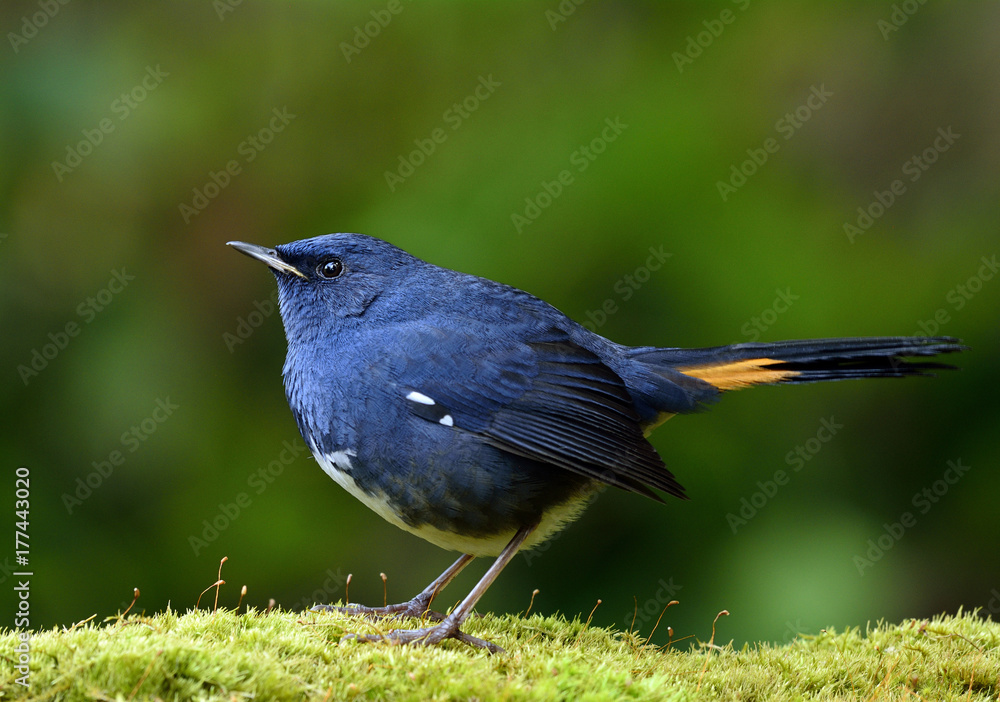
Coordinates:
482	419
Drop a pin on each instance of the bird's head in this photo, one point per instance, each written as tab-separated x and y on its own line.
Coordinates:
329	278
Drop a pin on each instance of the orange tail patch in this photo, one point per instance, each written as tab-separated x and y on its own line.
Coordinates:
736	375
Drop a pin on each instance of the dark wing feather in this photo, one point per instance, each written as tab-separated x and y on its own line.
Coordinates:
547	399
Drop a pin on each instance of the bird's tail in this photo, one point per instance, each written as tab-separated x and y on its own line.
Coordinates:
743	365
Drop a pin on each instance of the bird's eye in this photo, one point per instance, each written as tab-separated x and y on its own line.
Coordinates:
330	269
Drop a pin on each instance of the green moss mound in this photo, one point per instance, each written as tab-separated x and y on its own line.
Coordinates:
280	655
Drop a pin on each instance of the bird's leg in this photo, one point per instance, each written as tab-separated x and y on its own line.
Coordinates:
450	626
418	607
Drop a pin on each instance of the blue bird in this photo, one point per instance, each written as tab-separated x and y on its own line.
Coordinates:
482	419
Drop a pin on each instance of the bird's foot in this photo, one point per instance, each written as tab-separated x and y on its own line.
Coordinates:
428	636
417	608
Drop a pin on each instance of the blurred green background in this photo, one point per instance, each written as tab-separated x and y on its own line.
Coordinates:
119	122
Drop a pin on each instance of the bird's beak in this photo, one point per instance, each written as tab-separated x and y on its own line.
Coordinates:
268	256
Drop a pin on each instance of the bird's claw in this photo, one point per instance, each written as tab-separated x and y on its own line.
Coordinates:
428	636
414	609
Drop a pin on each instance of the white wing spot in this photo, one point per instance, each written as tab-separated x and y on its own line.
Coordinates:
415	396
447	421
342	459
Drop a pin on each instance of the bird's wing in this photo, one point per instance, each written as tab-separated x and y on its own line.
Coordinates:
545	398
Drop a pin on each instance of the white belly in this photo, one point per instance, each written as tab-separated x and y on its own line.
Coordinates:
337	462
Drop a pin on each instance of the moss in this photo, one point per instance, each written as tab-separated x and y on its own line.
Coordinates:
280	655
